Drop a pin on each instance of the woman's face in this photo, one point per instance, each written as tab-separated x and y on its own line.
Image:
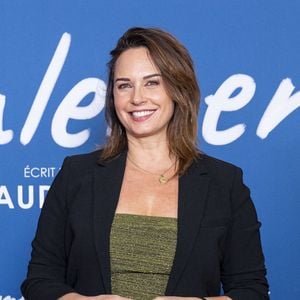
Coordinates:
141	101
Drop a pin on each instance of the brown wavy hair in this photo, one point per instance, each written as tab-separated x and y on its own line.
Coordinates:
177	70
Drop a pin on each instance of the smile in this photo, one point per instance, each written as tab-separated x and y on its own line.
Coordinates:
142	113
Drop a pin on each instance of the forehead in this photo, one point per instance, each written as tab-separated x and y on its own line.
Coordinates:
134	62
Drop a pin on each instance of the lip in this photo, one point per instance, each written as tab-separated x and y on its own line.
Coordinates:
142	115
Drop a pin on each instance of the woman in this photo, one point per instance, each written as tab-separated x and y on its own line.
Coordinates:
148	216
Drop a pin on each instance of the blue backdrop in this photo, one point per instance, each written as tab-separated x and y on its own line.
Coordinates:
53	58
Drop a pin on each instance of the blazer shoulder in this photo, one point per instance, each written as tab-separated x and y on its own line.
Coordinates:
82	163
216	165
221	172
91	157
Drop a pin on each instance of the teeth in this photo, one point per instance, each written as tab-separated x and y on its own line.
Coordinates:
142	113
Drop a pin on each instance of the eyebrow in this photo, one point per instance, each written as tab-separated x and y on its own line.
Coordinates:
145	77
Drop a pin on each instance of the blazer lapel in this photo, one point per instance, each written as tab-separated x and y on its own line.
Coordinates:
193	188
108	178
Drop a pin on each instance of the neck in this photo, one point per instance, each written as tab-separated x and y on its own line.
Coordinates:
150	153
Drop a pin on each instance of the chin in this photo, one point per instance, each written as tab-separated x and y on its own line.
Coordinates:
146	133
140	134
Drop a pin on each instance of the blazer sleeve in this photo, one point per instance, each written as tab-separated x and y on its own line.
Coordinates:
47	267
243	269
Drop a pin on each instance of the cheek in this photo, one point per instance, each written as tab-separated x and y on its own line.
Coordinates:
121	99
120	108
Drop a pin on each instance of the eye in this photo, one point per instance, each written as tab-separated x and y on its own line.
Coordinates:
152	83
123	86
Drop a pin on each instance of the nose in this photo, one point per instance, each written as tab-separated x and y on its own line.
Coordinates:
138	96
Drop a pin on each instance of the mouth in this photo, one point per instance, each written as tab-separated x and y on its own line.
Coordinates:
142	115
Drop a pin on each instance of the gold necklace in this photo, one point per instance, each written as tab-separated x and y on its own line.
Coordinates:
162	178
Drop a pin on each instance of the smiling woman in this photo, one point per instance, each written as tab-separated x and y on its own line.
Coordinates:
160	54
142	104
148	216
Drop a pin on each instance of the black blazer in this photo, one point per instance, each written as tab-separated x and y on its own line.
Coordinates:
218	233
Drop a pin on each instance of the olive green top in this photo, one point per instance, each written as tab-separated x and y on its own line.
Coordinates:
142	250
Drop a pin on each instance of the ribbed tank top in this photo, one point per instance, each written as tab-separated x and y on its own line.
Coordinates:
142	250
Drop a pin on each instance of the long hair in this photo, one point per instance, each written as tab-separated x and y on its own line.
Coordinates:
176	67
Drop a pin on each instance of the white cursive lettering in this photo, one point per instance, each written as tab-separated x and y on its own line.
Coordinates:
222	100
282	104
5	135
45	90
69	109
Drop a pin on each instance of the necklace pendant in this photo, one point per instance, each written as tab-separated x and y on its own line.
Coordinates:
163	179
